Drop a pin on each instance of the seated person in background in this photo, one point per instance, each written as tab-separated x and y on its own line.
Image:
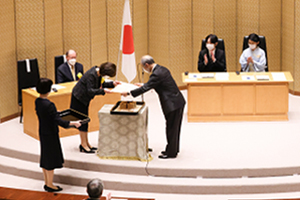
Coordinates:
211	59
253	59
95	188
70	70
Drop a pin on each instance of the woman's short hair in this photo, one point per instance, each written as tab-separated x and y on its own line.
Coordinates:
254	37
213	38
43	85
108	69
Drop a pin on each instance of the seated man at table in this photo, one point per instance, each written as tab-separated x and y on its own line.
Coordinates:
70	70
211	59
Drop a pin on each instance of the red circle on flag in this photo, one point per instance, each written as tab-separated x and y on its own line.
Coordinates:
128	47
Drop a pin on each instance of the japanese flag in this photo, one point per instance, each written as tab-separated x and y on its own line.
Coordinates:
126	45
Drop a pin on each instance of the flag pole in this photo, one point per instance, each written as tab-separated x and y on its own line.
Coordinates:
118	62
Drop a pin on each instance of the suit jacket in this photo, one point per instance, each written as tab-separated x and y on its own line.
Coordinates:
89	86
163	83
218	66
64	73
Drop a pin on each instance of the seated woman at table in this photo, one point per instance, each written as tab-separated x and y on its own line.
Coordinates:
51	152
253	59
211	59
92	83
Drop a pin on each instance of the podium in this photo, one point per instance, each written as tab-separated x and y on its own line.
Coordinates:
62	100
123	137
243	97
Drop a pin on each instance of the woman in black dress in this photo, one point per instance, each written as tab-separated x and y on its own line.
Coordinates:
51	152
92	83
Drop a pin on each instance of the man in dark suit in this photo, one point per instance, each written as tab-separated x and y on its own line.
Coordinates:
70	70
211	59
171	100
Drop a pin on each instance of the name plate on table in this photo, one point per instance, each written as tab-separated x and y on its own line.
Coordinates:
73	115
127	107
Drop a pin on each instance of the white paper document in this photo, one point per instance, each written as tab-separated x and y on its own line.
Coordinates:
262	77
278	76
248	78
207	75
194	75
124	87
54	86
57	87
222	76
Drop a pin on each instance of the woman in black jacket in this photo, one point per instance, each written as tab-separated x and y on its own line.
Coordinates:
92	83
51	152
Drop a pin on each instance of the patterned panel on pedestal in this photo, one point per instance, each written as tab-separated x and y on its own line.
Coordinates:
8	90
76	29
123	136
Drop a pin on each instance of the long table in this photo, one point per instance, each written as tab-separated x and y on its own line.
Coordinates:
61	99
237	97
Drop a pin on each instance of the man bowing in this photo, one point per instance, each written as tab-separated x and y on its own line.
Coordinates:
171	100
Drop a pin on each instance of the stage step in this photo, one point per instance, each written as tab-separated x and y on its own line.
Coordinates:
152	184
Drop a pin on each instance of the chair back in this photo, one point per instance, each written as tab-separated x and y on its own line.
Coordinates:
28	75
262	44
58	60
220	45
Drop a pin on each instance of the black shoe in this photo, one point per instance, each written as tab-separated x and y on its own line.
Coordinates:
166	156
150	149
94	148
164	153
49	189
81	149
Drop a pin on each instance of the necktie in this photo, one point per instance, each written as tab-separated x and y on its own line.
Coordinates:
73	73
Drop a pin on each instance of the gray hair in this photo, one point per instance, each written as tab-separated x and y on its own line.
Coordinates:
147	59
95	188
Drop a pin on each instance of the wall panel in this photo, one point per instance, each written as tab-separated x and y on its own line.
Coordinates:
76	29
288	37
30	31
180	38
247	22
270	27
98	32
140	31
297	47
53	34
202	25
114	26
225	27
159	31
8	69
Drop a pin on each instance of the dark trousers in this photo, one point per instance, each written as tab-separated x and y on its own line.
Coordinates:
173	126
